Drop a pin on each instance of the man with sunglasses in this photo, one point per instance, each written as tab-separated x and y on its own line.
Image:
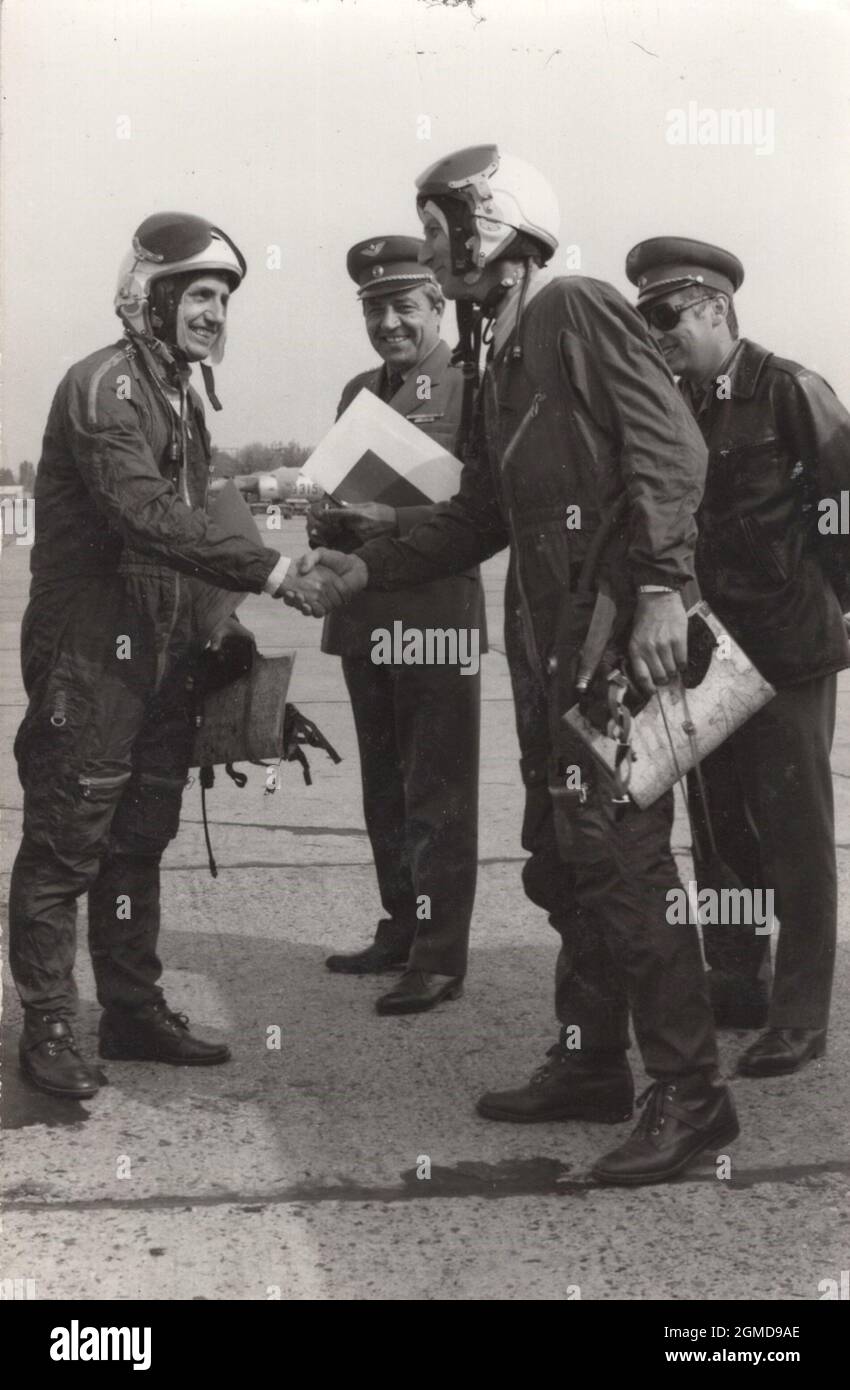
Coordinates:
779	444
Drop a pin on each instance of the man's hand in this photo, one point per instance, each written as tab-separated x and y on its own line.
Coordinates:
659	645
320	530
350	570
229	654
315	588
366	520
232	649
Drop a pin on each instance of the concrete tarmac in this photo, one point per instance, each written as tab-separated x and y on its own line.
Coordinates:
299	1170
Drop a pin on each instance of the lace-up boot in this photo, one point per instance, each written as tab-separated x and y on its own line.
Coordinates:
570	1085
49	1058
682	1119
156	1034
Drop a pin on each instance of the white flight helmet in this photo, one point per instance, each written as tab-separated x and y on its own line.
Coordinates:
171	244
489	203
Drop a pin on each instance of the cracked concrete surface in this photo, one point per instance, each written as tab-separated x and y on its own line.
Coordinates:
292	1171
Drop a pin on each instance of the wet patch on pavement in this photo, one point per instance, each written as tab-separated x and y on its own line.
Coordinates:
468	1179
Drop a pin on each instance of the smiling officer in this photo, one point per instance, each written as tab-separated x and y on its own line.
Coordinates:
779	442
417	726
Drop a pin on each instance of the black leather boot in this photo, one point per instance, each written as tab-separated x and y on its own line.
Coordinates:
782	1050
376	959
155	1034
418	991
570	1086
49	1058
682	1119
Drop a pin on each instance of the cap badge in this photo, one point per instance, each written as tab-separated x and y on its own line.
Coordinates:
377	272
374	249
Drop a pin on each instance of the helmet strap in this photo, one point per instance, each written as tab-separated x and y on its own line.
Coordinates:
516	347
209	385
158	349
470	322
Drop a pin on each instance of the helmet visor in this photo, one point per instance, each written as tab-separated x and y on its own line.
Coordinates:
169	239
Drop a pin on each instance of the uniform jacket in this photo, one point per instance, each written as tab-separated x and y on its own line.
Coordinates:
590	411
118	489
446	602
777	445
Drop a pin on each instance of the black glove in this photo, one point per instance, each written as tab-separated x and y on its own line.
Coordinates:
229	655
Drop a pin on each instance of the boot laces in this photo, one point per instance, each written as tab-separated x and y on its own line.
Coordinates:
559	1054
177	1021
66	1042
655	1098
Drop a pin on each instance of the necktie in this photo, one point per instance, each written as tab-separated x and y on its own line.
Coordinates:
392	383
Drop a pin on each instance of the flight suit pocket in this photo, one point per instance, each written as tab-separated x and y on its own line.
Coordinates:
544	569
149	815
84	805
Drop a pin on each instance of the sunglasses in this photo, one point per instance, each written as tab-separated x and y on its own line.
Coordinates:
666	316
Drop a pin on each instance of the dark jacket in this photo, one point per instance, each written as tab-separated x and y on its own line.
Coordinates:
777	445
110	491
589	412
449	602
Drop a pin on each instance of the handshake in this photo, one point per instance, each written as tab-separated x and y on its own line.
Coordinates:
321	580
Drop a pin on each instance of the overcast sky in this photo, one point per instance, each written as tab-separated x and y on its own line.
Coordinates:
298	124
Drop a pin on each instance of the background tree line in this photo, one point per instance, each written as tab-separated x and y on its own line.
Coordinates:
25	478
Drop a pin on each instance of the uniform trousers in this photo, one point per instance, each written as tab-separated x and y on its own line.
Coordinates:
418	734
769	791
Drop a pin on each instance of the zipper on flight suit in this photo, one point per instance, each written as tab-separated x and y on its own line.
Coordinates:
531	414
183	489
177	452
88	785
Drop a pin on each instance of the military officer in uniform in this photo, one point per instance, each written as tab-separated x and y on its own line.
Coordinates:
779	443
578	421
417	726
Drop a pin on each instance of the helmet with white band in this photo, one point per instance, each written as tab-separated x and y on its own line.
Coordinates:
167	245
489	204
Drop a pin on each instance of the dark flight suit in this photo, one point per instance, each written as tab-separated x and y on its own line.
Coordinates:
777	445
589	410
108	648
418	726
